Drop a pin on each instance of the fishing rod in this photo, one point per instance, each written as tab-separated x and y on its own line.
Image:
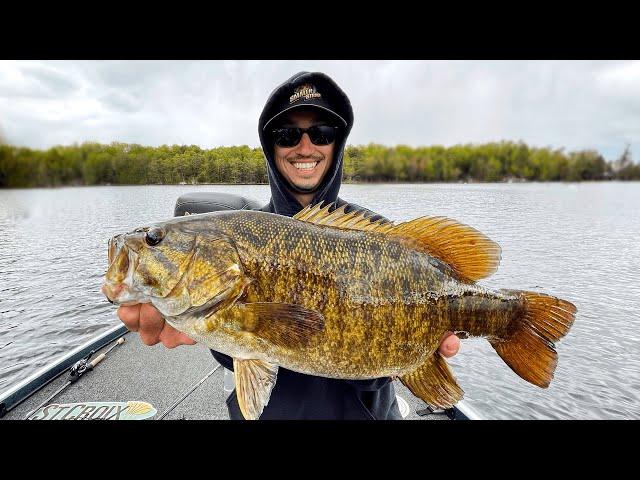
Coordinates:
188	393
76	371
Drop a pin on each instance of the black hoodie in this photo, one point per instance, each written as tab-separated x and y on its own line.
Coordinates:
298	396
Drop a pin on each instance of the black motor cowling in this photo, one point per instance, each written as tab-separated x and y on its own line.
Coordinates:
202	202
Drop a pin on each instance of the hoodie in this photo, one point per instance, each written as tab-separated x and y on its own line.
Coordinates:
295	395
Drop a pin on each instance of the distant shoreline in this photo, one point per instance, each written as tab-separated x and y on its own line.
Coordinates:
373	164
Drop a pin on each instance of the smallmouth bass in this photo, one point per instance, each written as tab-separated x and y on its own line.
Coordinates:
332	293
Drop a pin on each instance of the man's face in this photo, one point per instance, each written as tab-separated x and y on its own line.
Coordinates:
305	164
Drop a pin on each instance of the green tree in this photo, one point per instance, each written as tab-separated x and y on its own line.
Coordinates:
120	163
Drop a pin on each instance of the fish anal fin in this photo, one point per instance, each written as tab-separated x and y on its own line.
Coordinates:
470	253
254	381
434	383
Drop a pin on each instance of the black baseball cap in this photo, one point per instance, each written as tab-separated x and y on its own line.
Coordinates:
304	90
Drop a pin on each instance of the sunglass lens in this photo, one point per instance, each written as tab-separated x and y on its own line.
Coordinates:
322	135
319	135
287	137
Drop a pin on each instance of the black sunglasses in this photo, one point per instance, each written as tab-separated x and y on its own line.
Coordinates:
291	136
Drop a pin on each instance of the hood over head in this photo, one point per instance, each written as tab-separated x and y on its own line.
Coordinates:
305	90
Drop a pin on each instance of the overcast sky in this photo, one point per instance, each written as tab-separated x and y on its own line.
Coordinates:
570	104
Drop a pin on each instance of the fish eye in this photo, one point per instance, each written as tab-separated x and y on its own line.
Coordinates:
154	236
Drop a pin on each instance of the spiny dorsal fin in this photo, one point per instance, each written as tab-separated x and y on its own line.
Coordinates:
338	218
466	250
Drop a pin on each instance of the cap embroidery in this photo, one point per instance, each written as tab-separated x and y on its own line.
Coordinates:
306	91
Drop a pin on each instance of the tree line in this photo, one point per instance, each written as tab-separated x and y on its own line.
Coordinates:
132	164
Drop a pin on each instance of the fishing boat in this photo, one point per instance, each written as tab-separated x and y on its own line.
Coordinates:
115	376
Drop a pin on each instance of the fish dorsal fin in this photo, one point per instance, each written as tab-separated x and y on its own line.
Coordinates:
338	218
467	251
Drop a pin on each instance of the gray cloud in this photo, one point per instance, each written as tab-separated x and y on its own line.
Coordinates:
36	81
121	101
56	82
571	104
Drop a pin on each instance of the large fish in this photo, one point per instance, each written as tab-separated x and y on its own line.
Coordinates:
332	293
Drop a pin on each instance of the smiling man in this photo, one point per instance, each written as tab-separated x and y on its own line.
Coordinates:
304	145
303	130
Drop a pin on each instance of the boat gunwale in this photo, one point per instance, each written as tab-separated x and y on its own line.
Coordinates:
35	382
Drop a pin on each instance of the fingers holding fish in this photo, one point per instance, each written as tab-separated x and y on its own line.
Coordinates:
130	316
149	323
172	338
154	329
449	345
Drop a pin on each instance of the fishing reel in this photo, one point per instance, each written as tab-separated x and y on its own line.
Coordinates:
80	367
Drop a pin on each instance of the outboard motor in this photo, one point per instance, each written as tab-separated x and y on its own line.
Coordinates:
203	202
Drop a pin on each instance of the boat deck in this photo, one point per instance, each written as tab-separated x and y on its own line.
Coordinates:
161	376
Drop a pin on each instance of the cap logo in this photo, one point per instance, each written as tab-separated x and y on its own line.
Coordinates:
306	91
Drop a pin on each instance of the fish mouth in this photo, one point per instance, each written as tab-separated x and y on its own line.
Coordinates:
111	291
121	292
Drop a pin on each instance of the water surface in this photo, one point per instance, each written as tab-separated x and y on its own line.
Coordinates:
576	241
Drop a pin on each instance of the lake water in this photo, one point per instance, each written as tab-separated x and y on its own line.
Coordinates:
579	242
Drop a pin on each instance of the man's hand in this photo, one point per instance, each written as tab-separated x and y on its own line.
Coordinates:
449	345
145	319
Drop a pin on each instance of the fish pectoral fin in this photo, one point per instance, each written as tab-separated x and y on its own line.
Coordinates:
254	381
283	324
434	383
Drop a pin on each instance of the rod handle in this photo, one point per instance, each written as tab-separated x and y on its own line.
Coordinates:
100	357
97	360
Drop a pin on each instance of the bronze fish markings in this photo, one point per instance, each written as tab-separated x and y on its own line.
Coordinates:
334	294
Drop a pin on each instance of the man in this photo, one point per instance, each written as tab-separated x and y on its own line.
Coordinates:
303	130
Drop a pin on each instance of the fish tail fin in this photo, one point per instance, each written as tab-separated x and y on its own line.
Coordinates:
529	350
